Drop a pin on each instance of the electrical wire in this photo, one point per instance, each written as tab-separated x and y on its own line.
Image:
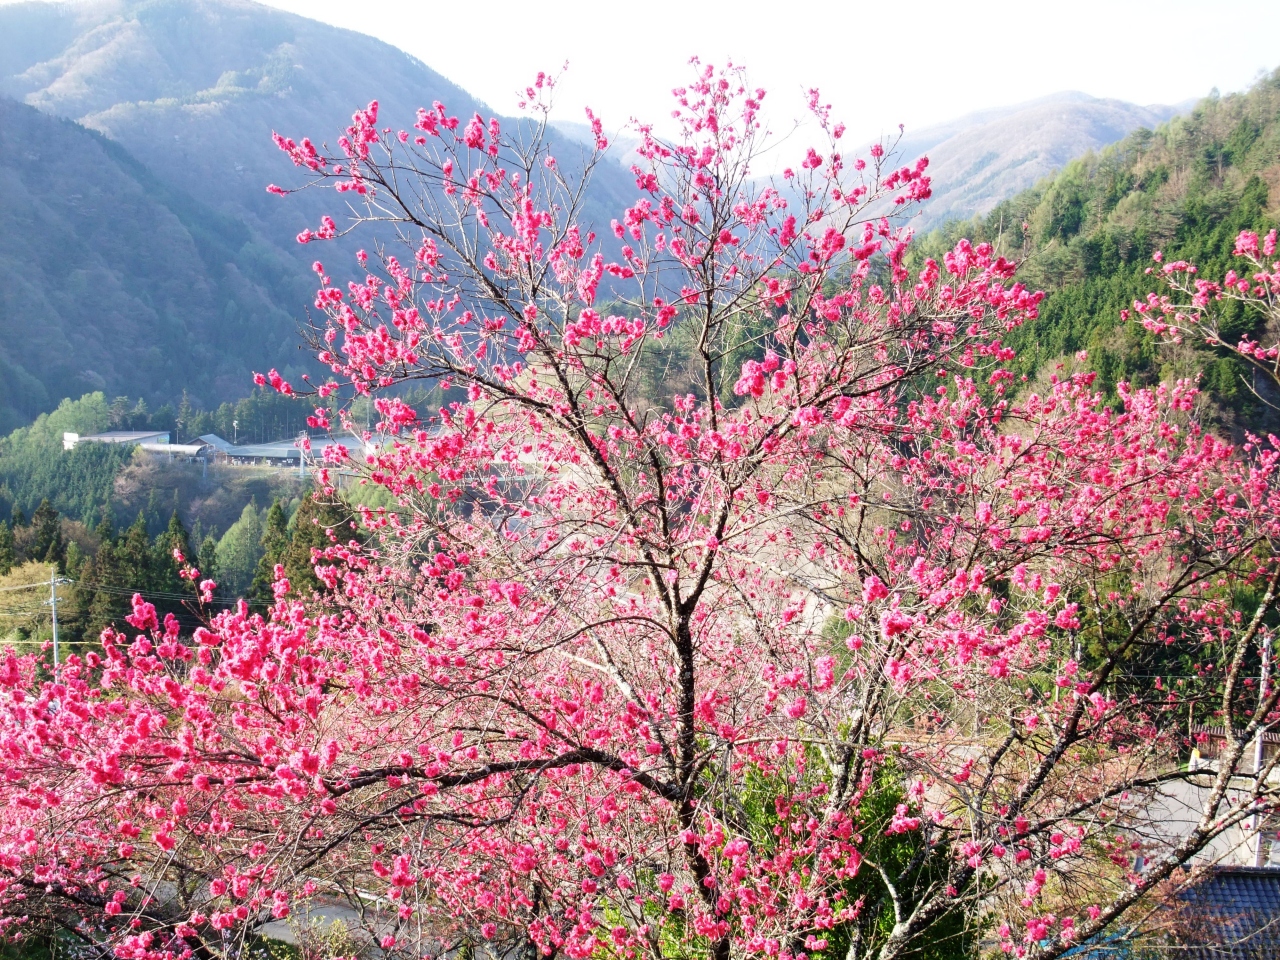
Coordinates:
120	590
185	617
27	586
147	594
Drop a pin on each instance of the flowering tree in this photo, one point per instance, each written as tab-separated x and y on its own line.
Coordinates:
834	650
1192	307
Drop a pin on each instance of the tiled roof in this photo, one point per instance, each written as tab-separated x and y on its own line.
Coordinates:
1271	736
1233	914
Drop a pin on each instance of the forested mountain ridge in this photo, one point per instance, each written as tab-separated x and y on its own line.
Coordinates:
197	87
1087	235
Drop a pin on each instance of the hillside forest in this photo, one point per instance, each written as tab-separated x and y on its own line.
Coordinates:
109	517
1087	236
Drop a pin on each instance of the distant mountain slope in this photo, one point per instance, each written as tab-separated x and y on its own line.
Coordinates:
183	272
979	159
982	158
196	87
111	280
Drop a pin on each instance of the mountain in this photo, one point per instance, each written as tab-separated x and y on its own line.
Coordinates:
977	160
111	279
202	277
196	87
982	158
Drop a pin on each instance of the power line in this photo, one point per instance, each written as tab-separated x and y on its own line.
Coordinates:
25	586
119	589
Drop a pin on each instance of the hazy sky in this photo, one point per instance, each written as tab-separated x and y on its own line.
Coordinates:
879	64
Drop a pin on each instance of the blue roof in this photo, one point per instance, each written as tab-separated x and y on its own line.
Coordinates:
1233	914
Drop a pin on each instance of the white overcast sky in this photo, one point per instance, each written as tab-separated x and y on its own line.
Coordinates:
879	64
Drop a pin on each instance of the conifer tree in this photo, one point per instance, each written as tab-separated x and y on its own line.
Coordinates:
74	559
47	545
207	562
275	540
105	601
239	550
318	525
175	536
6	548
135	572
165	567
185	414
106	528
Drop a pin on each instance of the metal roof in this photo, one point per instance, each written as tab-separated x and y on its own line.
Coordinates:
273	451
215	441
128	436
285	449
175	449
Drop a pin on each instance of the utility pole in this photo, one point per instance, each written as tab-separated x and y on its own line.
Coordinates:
1265	680
54	582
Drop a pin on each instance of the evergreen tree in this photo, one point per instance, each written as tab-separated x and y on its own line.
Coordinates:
75	559
47	544
165	567
175	536
6	548
119	413
184	418
275	540
207	562
102	599
106	528
153	509
135	561
318	525
239	551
